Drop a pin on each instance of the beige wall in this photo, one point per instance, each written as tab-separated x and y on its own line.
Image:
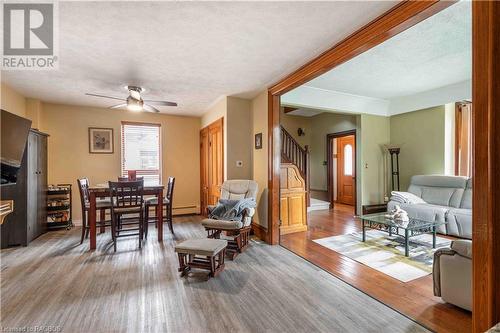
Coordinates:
34	112
293	123
422	136
69	158
260	159
12	101
239	137
375	132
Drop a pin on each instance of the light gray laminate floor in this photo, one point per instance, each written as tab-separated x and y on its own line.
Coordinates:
57	282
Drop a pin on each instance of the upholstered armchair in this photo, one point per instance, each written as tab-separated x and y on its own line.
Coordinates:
238	232
452	274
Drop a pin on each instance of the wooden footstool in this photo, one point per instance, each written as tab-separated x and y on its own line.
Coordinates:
202	253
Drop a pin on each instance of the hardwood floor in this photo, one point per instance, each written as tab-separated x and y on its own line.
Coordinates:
57	282
414	299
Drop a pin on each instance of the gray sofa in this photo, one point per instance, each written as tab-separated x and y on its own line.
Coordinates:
452	274
447	198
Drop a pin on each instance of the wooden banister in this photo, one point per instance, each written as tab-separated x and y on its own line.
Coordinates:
292	152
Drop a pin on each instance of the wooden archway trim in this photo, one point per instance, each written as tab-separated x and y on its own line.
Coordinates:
486	99
486	164
394	21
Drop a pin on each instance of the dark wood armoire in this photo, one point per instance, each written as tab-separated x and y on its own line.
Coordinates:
29	219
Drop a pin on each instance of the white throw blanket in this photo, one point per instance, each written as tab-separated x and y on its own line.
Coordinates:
406	198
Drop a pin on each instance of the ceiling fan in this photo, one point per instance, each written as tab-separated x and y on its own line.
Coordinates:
134	101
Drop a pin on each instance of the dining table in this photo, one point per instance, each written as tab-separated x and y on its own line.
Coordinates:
102	191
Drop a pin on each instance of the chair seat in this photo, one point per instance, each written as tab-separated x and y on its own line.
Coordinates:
127	210
100	204
203	247
221	224
154	201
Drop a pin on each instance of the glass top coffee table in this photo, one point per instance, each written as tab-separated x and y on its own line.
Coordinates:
415	227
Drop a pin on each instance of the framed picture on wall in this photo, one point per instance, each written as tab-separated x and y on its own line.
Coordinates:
101	140
258	141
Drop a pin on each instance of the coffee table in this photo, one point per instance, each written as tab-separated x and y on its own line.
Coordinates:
415	227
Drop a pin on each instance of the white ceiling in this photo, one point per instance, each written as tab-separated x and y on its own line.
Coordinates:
188	52
432	54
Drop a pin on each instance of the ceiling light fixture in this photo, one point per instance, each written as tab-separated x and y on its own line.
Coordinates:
135	104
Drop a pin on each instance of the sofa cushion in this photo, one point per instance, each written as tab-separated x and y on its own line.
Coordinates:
467	197
221	224
203	247
462	247
459	222
237	189
439	190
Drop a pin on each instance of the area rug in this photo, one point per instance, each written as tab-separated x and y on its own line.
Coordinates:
386	253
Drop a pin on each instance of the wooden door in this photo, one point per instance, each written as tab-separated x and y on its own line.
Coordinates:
212	163
346	170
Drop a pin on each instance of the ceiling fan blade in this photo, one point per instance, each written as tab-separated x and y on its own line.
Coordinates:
103	96
117	106
149	108
162	103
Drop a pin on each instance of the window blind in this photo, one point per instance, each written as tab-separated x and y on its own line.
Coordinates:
141	151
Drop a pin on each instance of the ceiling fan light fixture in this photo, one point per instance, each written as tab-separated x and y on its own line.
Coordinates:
135	105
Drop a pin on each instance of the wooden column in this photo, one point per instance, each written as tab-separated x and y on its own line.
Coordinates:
486	167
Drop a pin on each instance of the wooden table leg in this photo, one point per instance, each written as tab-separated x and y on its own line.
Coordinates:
92	220
159	216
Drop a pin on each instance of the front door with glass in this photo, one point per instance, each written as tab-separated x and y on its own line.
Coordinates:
346	170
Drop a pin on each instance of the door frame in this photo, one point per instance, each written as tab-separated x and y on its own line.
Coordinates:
486	116
329	165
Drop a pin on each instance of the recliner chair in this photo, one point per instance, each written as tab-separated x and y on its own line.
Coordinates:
452	274
238	231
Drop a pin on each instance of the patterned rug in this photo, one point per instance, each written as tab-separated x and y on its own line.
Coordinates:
387	254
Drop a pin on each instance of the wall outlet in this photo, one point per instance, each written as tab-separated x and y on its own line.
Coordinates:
239	164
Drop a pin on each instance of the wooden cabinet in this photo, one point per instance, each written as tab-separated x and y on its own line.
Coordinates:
29	218
293	208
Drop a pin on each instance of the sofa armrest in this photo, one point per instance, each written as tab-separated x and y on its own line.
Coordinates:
462	247
436	268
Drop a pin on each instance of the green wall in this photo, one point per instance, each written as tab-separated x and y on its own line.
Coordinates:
322	125
421	136
375	132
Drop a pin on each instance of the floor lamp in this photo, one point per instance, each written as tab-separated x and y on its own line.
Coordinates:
394	151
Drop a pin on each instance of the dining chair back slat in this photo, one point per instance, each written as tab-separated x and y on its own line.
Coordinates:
126	194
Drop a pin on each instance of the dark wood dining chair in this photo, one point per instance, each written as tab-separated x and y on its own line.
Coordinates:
167	203
127	199
125	179
101	206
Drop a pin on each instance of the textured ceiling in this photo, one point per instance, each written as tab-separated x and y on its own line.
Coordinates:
188	52
434	53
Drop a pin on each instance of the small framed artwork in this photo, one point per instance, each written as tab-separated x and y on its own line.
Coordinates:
258	141
101	140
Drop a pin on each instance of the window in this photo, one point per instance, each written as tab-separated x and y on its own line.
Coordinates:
347	160
141	151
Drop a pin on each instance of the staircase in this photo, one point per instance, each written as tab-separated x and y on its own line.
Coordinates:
292	152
